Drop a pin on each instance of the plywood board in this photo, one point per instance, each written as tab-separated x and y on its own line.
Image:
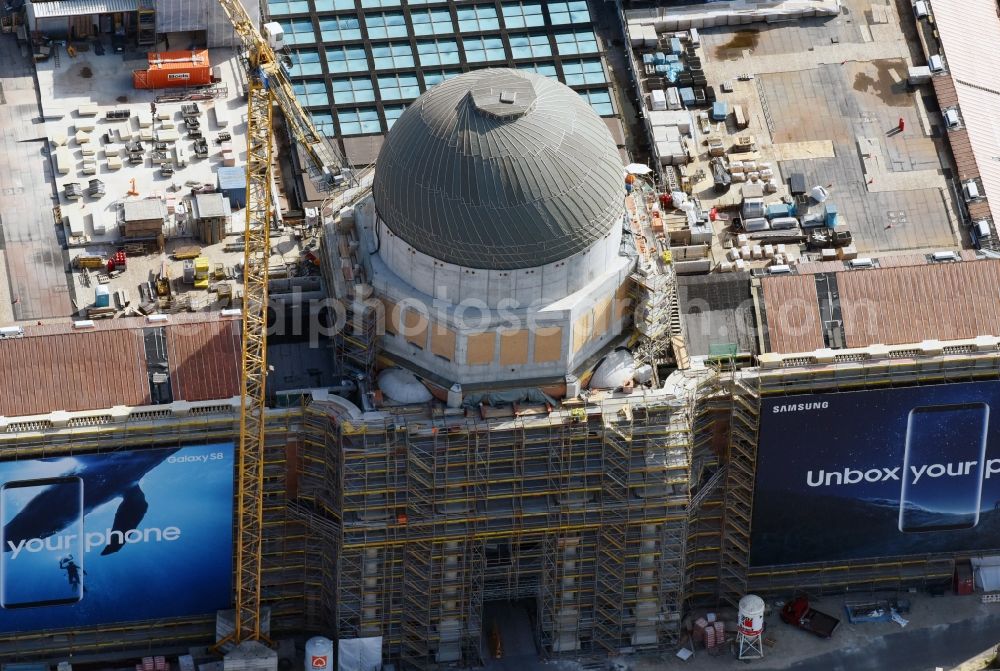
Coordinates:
480	348
548	344
602	317
514	347
415	324
582	330
791	151
393	325
443	341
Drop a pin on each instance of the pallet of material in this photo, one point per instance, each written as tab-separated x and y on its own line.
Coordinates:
100	313
144	119
788	235
114	163
87	109
86	125
187	252
64	160
219	120
167	135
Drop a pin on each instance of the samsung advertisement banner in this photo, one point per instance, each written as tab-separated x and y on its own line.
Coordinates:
115	537
879	473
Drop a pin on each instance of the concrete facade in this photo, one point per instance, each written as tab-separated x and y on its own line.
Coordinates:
475	326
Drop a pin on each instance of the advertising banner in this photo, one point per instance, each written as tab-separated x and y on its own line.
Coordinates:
879	473
115	537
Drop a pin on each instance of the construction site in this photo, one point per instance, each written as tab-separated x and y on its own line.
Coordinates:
520	411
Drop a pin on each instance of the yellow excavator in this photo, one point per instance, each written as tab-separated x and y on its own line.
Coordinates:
268	86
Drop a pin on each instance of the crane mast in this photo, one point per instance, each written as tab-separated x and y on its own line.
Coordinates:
267	85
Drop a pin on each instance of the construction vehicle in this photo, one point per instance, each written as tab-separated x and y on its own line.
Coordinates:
798	613
268	85
163	280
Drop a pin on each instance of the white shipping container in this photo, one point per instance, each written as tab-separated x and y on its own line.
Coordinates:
673	98
658	100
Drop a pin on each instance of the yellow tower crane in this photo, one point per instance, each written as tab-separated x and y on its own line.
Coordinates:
268	85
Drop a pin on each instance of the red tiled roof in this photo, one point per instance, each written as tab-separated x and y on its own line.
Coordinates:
894	304
55	367
793	321
72	371
205	360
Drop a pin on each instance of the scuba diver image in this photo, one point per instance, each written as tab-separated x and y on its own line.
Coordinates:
72	571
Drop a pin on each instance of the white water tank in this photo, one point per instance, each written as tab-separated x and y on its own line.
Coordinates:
319	654
751	615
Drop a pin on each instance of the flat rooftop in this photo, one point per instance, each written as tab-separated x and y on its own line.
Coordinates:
39	243
823	97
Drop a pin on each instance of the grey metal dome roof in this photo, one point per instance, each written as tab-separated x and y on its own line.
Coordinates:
499	169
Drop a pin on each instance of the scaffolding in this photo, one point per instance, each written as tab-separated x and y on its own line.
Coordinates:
146	19
582	508
741	467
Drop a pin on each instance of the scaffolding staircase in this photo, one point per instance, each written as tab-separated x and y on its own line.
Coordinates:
146	17
612	550
357	343
741	466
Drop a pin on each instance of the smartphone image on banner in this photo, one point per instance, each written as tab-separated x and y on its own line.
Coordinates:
42	539
943	467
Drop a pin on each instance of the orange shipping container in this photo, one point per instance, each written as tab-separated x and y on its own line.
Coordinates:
174	69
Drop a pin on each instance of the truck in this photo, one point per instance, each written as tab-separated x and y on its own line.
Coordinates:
798	613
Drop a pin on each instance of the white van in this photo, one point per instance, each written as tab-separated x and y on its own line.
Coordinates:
920	9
